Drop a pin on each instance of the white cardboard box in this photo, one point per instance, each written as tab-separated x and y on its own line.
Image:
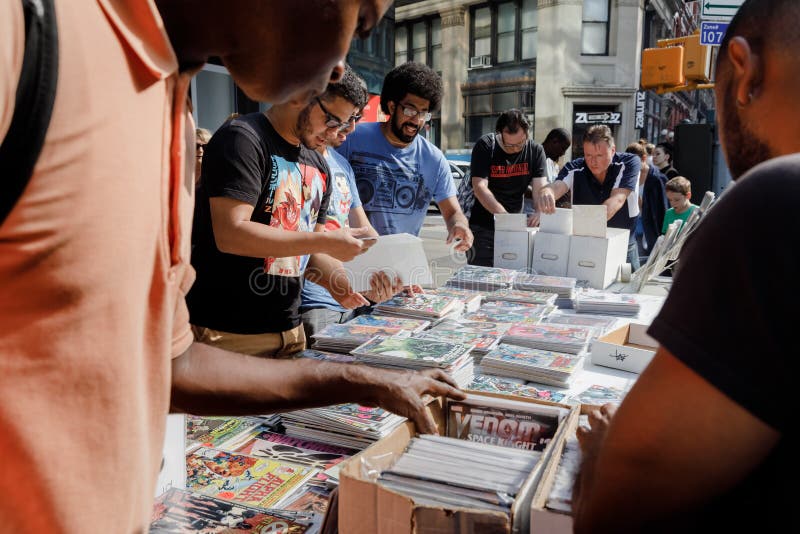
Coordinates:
510	221
617	350
512	248
597	259
559	222
550	254
589	220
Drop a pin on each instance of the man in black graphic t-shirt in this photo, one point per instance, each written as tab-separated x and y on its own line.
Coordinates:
503	165
262	194
706	440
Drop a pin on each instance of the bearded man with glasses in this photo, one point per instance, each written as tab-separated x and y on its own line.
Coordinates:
398	171
503	165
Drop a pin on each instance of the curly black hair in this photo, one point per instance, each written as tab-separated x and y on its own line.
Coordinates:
351	87
412	78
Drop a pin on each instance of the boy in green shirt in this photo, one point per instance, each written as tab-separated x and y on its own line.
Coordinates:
679	192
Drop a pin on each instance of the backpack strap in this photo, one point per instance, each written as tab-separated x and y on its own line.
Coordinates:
33	108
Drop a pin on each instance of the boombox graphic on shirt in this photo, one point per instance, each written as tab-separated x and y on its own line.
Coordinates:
385	184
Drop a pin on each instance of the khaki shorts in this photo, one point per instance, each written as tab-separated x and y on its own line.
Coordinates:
273	345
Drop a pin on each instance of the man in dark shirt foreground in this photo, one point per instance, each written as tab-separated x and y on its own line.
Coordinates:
704	441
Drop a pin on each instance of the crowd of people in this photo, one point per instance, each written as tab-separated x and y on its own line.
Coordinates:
125	297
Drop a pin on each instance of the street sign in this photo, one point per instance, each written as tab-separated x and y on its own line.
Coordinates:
720	9
711	33
598	117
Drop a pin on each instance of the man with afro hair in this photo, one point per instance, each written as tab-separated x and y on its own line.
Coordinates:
398	171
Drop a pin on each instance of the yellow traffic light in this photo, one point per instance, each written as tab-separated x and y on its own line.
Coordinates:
662	67
696	59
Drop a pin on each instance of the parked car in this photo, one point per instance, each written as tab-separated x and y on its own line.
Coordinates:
459	170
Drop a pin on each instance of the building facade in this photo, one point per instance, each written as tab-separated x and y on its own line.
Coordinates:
565	63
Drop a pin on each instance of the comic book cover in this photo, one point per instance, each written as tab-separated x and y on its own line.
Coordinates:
494	384
401	323
518	295
598	395
284	452
425	303
550	333
312	500
601	323
179	511
491	275
215	431
527	357
423	352
308	445
246	479
355	331
541	280
496	316
481	335
519	427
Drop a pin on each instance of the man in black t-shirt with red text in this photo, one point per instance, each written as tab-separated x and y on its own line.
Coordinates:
706	440
503	165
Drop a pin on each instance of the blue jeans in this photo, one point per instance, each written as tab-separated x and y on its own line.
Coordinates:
633	255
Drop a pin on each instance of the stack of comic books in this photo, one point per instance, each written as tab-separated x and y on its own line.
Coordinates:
415	353
555	337
534	365
345	337
344	425
563	286
560	497
482	278
324	356
482	335
454	473
510	312
426	306
597	395
622	304
472	299
219	432
600	323
181	511
404	323
261	482
521	295
514	387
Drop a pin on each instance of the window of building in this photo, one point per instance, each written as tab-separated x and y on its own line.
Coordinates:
529	25
594	27
482	110
400	45
420	41
504	31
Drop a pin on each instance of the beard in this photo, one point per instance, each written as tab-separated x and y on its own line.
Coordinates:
397	130
743	149
304	130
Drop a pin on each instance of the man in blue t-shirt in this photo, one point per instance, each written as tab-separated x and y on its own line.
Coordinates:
602	176
318	307
397	171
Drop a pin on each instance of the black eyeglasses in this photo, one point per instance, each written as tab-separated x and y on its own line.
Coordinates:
412	113
332	122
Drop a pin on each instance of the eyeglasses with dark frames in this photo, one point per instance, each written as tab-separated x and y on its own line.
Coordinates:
413	113
332	122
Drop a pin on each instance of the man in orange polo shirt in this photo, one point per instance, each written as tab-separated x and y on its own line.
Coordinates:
94	256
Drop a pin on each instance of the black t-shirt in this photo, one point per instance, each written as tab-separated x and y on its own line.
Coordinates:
723	319
509	175
247	160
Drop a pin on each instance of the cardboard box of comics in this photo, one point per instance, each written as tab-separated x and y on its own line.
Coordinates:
546	520
367	506
628	348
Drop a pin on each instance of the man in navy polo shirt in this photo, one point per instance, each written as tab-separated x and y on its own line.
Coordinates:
602	176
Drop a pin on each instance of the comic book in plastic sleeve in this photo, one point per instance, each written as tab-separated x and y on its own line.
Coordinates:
502	422
253	481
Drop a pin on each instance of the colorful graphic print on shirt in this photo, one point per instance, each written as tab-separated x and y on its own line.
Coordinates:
294	196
